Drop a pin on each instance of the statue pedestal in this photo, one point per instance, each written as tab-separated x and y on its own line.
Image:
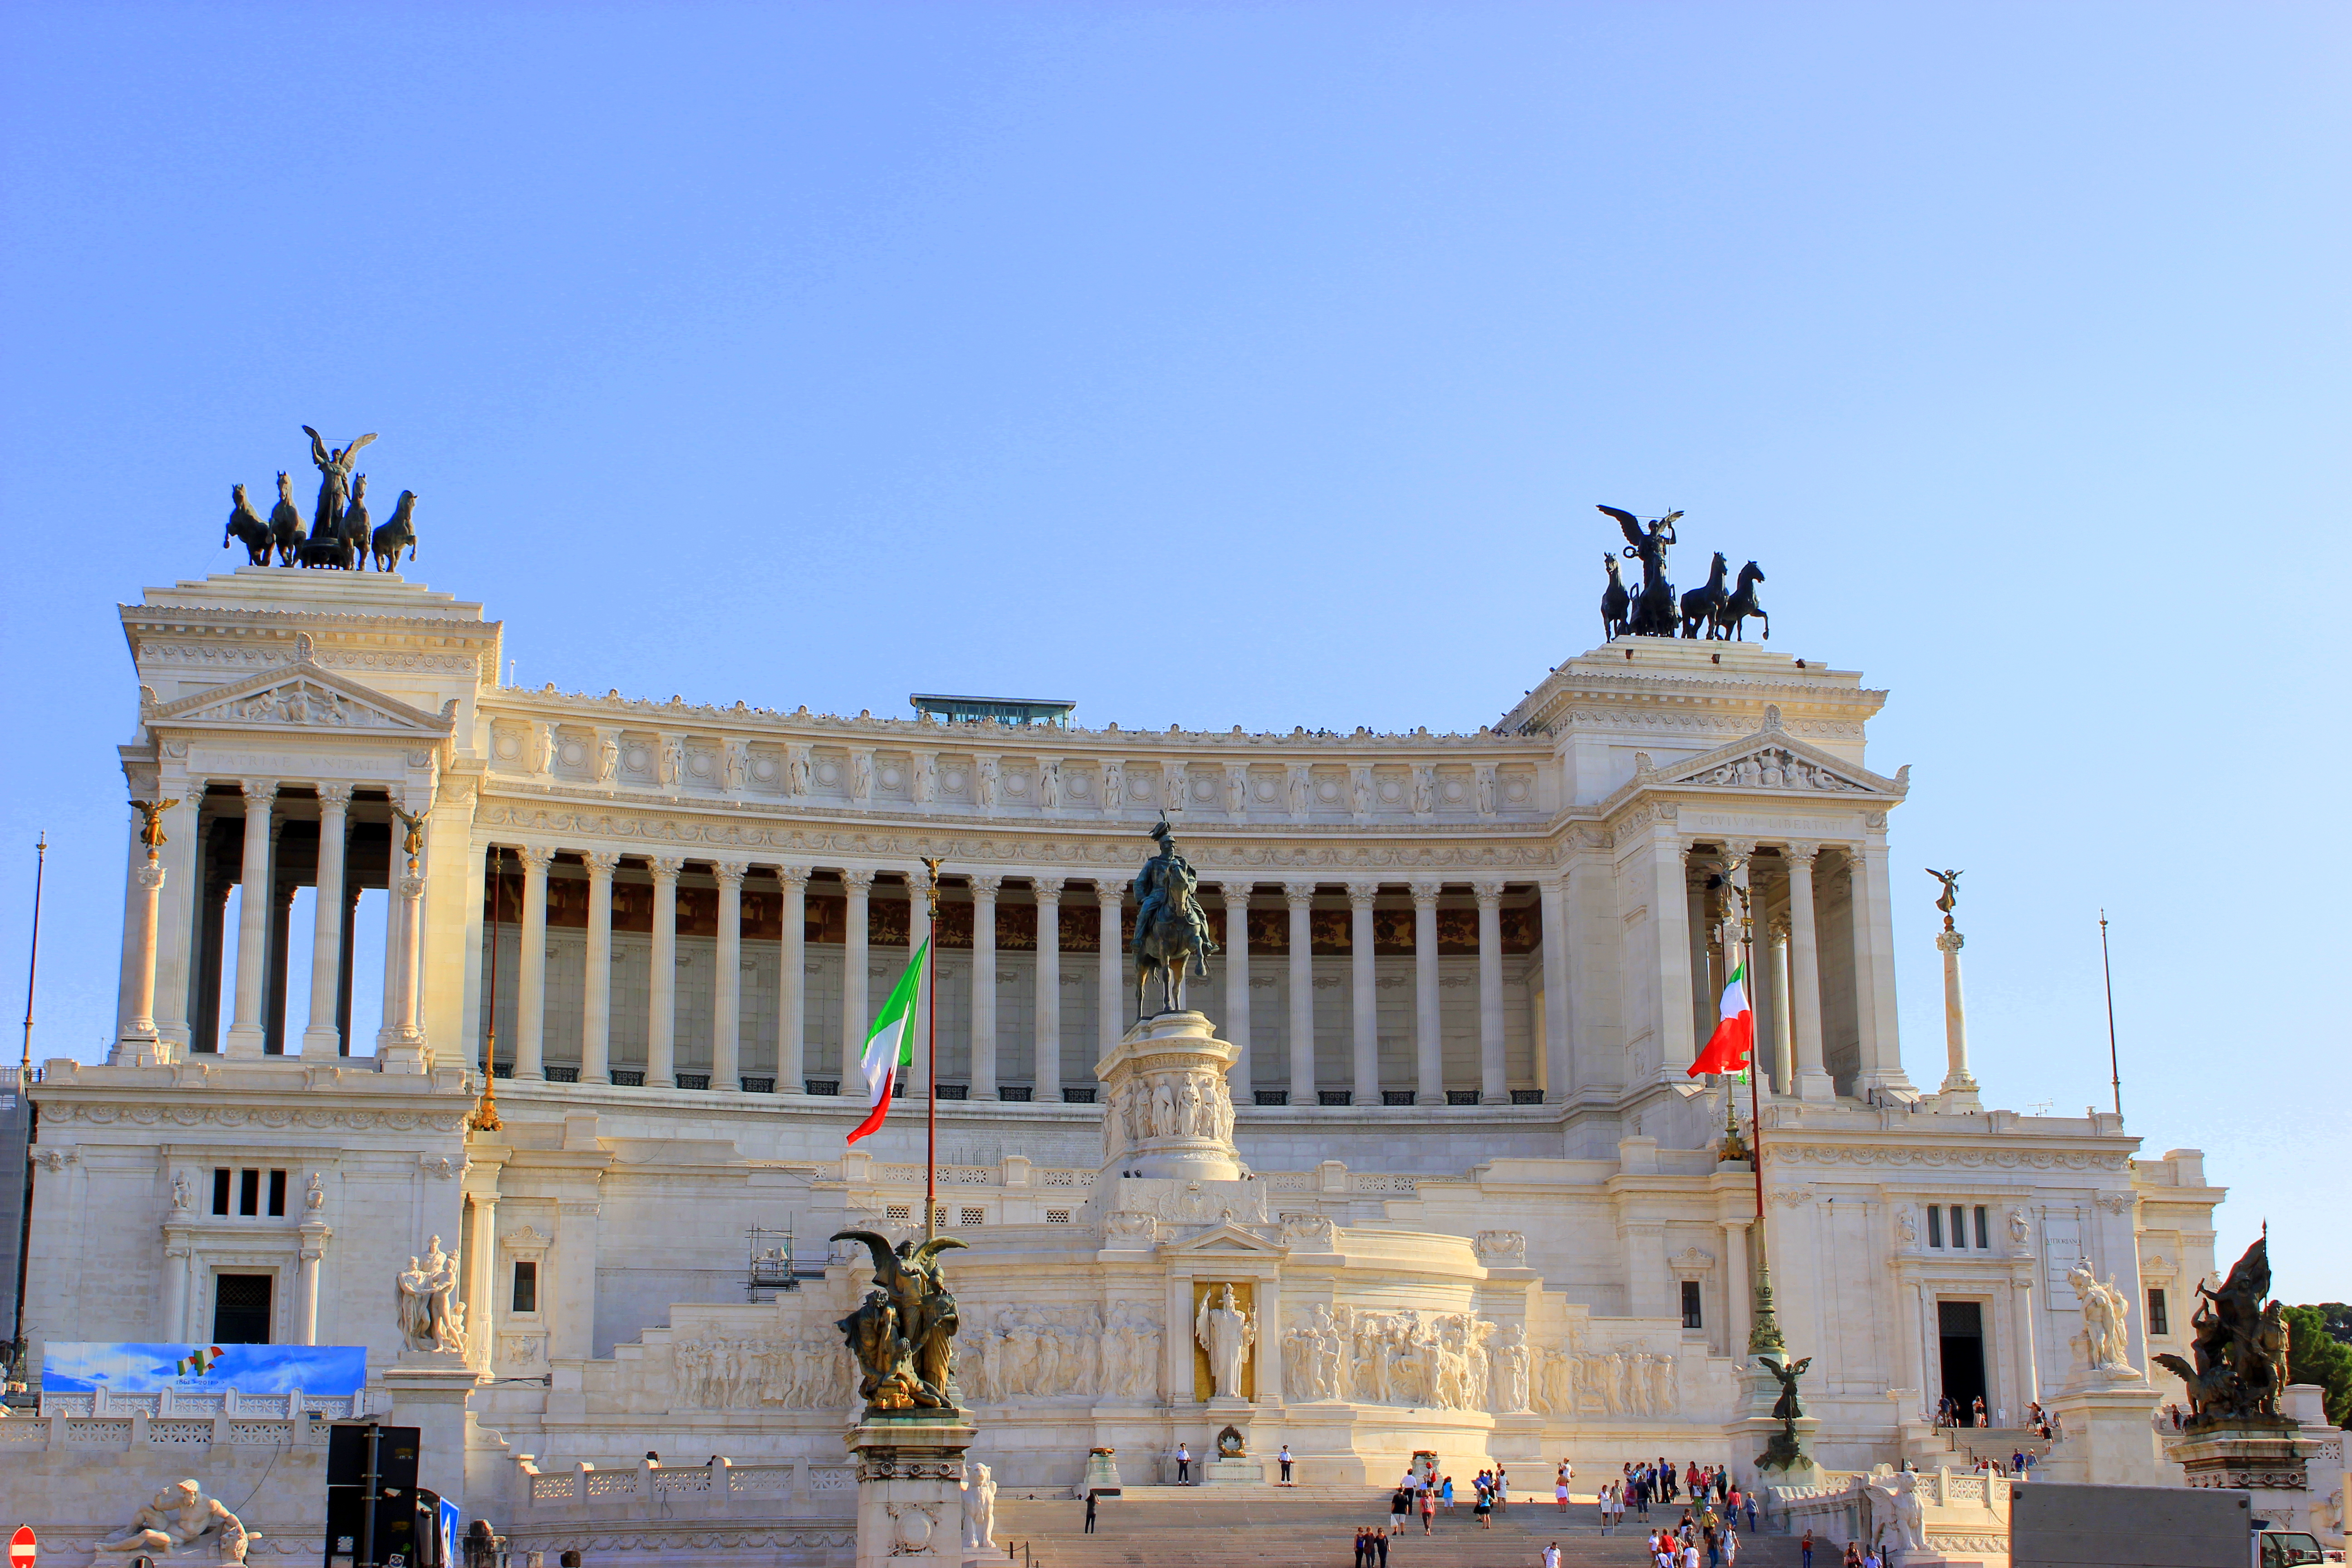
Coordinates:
2106	1423
428	1390
2263	1458
1167	1113
1759	1450
911	1490
1101	1476
1234	1473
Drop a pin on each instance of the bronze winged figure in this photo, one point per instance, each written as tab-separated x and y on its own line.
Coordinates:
904	1334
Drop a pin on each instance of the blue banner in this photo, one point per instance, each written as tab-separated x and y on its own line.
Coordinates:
77	1366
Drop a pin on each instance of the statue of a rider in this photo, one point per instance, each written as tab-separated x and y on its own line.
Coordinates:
1172	929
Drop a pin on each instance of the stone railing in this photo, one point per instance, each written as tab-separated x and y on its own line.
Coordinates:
584	1495
139	1430
173	1402
1959	1512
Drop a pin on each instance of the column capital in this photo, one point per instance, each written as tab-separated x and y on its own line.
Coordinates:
535	858
857	881
151	876
1298	895
1110	895
1360	895
1743	848
665	867
602	863
1426	894
792	876
985	888
1489	894
411	887
1046	890
334	796
1799	852
731	872
1237	892
263	790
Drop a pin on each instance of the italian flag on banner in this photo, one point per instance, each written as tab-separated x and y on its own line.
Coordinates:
1735	1031
890	1045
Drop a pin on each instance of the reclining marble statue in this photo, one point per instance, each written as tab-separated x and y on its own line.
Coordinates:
180	1527
903	1334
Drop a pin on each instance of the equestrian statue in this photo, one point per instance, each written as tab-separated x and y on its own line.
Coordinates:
1172	929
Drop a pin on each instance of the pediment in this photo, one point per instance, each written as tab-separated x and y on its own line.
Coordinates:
1775	762
1226	1238
303	697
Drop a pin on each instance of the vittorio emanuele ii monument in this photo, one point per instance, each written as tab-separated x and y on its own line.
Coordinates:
1425	1132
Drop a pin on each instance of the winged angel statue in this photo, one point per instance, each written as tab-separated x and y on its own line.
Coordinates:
903	1333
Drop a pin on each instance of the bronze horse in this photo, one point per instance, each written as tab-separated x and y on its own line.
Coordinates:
1171	932
1616	604
395	535
1742	604
1704	606
244	525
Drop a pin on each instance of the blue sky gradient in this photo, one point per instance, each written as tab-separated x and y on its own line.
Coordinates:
1261	365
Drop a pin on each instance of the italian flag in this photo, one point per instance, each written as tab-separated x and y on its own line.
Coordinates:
1735	1030
200	1363
890	1045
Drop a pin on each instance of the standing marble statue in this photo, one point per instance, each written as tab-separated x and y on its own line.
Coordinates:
1226	1332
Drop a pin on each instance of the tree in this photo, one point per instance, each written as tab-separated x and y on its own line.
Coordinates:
2313	1355
2339	1321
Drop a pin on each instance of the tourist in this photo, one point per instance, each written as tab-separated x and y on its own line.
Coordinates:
1485	1508
1381	1548
1283	1459
1400	1505
1447	1493
1805	1551
1751	1513
1976	1413
1183	1466
1600	1505
1502	1489
1551	1555
1853	1556
1559	1488
1090	1510
1428	1508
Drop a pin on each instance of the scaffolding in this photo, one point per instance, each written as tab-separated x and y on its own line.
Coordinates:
768	1266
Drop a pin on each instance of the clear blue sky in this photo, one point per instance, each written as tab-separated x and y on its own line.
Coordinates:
1261	366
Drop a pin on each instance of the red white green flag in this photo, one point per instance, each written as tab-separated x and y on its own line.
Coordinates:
1735	1030
890	1045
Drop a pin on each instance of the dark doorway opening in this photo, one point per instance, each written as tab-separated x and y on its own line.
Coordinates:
241	1309
1962	1324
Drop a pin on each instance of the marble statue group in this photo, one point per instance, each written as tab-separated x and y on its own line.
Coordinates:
431	1318
182	1526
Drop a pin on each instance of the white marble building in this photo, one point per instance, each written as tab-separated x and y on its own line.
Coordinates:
1465	975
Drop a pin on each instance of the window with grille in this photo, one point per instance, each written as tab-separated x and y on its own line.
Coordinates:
1694	1316
2158	1319
973	1216
526	1286
904	1213
1057	1216
241	1307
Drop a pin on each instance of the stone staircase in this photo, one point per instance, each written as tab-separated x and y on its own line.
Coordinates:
1276	1527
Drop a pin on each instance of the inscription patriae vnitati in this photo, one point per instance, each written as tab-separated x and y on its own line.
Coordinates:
1736	822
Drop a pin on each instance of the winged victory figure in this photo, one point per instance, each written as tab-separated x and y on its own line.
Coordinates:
903	1335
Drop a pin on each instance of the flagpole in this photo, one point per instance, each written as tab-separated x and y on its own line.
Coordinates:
1764	1328
931	1059
2115	1072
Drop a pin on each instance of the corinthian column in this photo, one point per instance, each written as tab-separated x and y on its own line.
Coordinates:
530	966
1813	1080
857	886
792	1005
1959	1084
1237	993
1111	1014
140	1045
727	984
320	1037
1300	897
1428	1020
596	991
247	1036
1364	998
1045	1062
1494	1084
400	1048
983	987
661	986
